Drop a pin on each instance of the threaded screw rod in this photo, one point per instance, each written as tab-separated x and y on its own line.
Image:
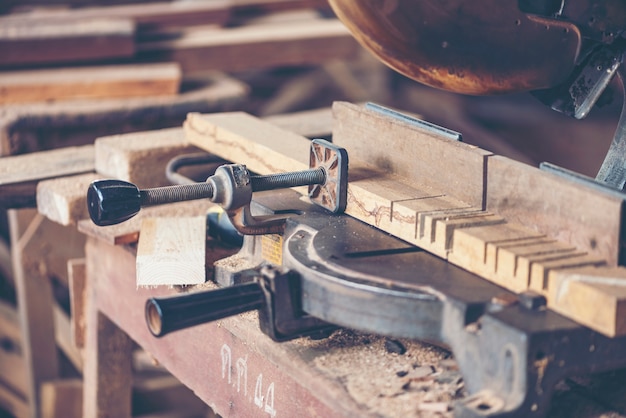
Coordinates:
178	193
286	180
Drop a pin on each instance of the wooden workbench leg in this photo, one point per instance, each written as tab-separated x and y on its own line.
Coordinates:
107	372
34	300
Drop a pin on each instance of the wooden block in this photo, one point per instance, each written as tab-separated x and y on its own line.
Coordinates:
171	251
514	259
493	252
128	232
471	247
22	42
253	47
578	293
445	225
585	218
372	198
540	269
110	81
412	152
77	273
140	157
420	207
228	135
19	175
64	200
62	398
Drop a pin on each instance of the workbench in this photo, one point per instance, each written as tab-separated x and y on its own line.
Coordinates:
238	371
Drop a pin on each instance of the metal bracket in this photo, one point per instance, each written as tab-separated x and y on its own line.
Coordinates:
333	194
330	194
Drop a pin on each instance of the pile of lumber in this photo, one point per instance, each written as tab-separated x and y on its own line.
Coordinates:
144	49
71	73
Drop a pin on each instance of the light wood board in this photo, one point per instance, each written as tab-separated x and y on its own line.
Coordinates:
253	47
64	200
107	81
140	157
171	251
20	174
25	43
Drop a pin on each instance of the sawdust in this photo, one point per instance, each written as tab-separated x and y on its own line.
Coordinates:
422	382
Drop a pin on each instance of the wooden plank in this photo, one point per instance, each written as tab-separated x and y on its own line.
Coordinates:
140	157
578	292
107	373
64	200
316	123
227	135
253	47
13	374
40	126
34	299
149	15
563	210
19	175
17	5
44	251
77	272
109	81
171	251
410	151
35	261
23	43
63	337
477	248
62	398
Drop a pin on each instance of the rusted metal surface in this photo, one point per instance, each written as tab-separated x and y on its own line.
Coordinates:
464	46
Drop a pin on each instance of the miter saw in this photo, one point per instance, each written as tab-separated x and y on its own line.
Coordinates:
307	268
565	52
